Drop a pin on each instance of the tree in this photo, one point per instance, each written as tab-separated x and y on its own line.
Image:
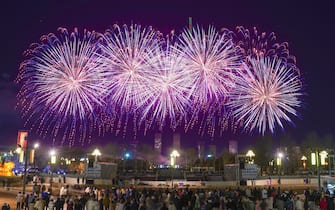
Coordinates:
311	142
328	141
264	152
227	157
190	156
111	151
293	154
148	153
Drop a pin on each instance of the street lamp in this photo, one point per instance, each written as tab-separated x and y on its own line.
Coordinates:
96	152
24	149
319	158
173	158
52	162
279	161
323	156
173	162
36	146
303	160
250	154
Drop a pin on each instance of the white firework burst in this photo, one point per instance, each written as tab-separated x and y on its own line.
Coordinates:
128	56
266	94
166	92
63	82
211	59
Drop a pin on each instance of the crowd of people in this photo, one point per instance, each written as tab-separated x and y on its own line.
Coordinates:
118	198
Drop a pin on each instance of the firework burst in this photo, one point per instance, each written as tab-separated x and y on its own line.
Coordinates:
128	53
166	92
211	60
63	83
266	94
73	85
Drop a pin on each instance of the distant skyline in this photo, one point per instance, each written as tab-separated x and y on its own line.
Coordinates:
307	27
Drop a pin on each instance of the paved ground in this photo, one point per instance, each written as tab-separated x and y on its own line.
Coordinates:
8	197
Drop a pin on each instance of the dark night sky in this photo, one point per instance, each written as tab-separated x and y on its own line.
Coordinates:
308	27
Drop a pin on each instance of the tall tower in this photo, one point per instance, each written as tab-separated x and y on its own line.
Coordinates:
201	149
176	141
233	147
158	143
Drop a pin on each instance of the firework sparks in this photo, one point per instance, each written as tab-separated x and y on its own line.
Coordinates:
128	54
166	93
63	82
200	79
253	44
266	94
211	59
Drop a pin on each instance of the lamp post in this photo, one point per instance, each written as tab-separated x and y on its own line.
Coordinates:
173	158
173	162
96	152
36	146
25	149
318	159
279	162
52	162
303	160
250	154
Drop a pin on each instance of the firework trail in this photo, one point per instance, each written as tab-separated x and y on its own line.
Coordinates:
266	94
253	44
63	83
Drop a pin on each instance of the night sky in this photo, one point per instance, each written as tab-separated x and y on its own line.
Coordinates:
308	27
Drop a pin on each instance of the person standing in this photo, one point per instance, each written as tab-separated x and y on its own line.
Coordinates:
39	205
19	200
106	202
264	193
51	205
323	203
90	204
330	202
299	205
263	204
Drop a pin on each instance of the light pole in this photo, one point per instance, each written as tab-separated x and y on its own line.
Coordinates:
96	152
250	154
303	160
36	146
24	147
318	159
173	162
52	162
279	162
210	158
173	158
